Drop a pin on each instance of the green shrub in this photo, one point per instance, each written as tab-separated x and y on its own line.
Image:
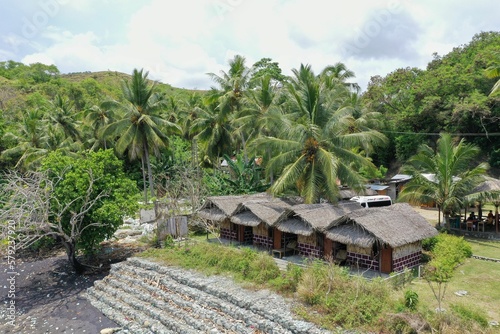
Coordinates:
411	300
263	269
454	249
288	281
429	243
168	242
45	243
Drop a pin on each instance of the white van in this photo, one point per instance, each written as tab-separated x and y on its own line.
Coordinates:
372	201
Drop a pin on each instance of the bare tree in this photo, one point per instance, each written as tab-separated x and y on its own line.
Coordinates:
29	204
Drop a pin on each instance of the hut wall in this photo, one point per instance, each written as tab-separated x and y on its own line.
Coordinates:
362	258
407	256
226	232
308	246
261	236
248	235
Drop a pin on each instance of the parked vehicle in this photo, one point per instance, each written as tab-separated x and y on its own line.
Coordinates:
372	201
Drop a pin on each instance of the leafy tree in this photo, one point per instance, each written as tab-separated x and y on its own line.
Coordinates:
443	176
142	129
78	201
265	67
447	253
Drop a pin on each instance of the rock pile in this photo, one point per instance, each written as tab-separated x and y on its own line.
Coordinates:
145	297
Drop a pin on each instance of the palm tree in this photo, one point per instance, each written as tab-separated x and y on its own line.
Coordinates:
318	148
142	130
213	129
233	86
262	115
443	176
30	138
338	73
493	71
64	117
98	117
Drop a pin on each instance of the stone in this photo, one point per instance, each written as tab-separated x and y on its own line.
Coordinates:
110	330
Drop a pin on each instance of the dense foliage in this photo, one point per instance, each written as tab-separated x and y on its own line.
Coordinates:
451	95
308	130
105	171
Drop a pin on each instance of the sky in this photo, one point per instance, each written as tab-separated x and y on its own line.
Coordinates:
179	42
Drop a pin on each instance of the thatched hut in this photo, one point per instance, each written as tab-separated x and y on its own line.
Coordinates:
385	239
306	223
218	210
258	219
247	219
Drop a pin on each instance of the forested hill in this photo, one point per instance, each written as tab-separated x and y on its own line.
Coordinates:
453	94
22	86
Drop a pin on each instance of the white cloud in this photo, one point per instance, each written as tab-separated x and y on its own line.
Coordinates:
180	41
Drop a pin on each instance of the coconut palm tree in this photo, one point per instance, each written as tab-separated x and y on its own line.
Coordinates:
317	149
99	116
338	73
233	86
30	138
213	129
142	130
64	117
261	114
493	71
444	176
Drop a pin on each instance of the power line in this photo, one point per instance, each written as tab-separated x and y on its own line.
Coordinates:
491	134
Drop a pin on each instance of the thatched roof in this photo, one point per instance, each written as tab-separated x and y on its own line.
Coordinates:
323	216
246	218
295	226
269	212
213	214
395	225
351	234
349	193
229	204
488	190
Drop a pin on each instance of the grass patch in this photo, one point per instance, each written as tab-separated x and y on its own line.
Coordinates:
485	248
240	263
328	296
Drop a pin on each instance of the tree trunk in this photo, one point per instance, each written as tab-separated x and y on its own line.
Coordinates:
71	253
144	181
150	173
439	215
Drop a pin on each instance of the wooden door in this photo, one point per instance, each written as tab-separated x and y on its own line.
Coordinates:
241	233
386	260
328	249
277	239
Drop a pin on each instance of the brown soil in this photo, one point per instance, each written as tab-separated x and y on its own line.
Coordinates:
48	293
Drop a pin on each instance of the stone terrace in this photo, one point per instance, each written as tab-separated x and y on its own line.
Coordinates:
145	297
